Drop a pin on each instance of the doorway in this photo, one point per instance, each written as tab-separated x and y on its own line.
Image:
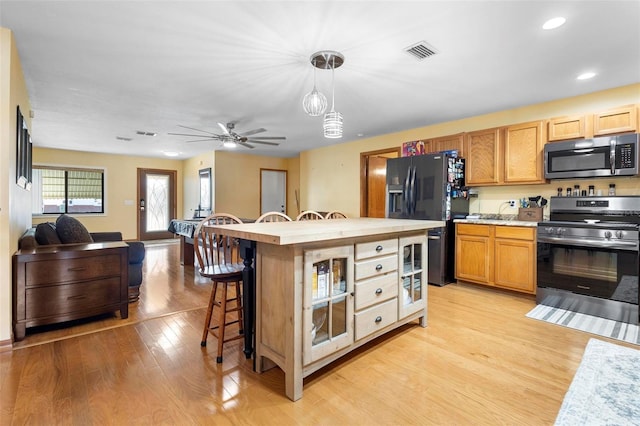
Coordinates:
273	191
373	181
156	203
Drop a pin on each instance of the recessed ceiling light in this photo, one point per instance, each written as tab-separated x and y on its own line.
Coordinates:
586	75
554	23
171	153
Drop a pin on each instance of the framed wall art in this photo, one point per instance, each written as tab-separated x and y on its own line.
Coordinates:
23	153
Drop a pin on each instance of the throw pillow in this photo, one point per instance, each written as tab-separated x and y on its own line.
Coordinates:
71	230
46	234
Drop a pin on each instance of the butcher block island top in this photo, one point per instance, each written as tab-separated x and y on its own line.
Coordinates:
309	231
325	287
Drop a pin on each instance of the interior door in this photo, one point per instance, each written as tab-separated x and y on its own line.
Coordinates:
156	203
376	181
273	191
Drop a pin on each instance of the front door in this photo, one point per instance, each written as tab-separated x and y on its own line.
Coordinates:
156	203
273	191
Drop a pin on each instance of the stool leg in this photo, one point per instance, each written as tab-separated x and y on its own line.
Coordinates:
207	321
240	307
223	322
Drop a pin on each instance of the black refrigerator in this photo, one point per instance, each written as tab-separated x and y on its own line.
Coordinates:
430	187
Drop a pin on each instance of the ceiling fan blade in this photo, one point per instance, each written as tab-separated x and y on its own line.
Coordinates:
188	134
246	145
224	128
262	142
201	140
253	132
197	130
270	138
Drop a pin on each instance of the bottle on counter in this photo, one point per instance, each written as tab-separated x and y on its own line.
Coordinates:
576	190
569	192
612	189
592	190
559	192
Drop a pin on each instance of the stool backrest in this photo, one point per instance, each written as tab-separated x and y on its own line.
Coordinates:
309	215
215	250
273	217
335	214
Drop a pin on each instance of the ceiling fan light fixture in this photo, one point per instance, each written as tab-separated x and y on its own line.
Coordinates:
229	144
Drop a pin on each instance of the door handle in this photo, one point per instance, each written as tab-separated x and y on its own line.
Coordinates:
141	204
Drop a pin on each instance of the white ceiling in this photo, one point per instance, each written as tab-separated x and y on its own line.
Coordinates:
96	70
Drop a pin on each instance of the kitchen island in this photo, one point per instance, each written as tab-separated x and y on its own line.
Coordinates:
326	287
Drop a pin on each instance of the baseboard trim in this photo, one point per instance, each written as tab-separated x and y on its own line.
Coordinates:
6	345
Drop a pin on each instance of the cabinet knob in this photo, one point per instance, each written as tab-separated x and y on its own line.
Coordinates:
378	267
378	319
379	248
378	291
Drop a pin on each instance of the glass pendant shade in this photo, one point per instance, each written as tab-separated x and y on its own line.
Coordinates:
314	103
332	125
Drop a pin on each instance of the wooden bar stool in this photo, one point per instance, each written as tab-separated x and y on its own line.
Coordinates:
219	259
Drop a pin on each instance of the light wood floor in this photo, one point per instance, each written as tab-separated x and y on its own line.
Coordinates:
479	361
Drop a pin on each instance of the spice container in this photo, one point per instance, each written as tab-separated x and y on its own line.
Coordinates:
559	192
576	190
568	192
592	190
612	189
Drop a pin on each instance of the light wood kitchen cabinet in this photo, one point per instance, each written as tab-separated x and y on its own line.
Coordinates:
566	128
474	253
515	258
448	143
620	120
497	255
483	157
523	153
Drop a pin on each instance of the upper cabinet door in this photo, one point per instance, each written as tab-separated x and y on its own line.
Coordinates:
616	121
523	153
483	157
565	128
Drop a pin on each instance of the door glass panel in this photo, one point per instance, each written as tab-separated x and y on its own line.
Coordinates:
157	206
417	287
320	327
417	256
338	279
338	316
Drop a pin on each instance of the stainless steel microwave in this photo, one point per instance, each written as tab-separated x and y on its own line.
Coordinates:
602	156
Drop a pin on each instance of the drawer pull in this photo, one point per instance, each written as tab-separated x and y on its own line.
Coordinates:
378	267
78	297
378	319
378	291
584	287
378	249
77	269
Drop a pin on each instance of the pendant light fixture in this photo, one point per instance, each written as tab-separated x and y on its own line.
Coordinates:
315	101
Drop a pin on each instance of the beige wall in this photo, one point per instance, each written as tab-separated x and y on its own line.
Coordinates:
340	189
15	202
121	190
237	182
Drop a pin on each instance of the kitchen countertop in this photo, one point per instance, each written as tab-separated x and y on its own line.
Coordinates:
502	222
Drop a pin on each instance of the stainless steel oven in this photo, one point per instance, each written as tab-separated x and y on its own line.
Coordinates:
588	256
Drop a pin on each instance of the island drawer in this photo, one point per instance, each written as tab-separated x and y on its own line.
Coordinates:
375	290
52	300
79	269
376	248
376	267
375	318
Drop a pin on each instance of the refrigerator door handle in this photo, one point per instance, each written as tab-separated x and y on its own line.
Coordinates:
412	190
405	193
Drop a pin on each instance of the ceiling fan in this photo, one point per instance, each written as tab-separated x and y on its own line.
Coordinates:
230	139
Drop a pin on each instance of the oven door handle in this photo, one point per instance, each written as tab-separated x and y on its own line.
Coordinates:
616	245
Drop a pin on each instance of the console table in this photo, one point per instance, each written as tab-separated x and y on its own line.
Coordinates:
52	284
325	287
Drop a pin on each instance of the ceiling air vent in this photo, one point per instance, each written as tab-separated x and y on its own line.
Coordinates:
140	132
421	50
122	138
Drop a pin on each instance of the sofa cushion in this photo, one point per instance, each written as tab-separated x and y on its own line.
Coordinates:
46	234
71	230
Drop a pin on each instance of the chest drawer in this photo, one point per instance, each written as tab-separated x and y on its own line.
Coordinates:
86	268
376	267
69	298
375	318
375	290
376	248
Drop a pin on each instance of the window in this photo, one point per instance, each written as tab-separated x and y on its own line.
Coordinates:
59	190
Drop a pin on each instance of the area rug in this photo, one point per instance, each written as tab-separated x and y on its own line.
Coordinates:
605	389
601	326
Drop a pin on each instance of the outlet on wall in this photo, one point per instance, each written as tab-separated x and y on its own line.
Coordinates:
512	203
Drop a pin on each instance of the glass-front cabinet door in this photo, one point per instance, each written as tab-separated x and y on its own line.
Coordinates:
328	301
412	265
